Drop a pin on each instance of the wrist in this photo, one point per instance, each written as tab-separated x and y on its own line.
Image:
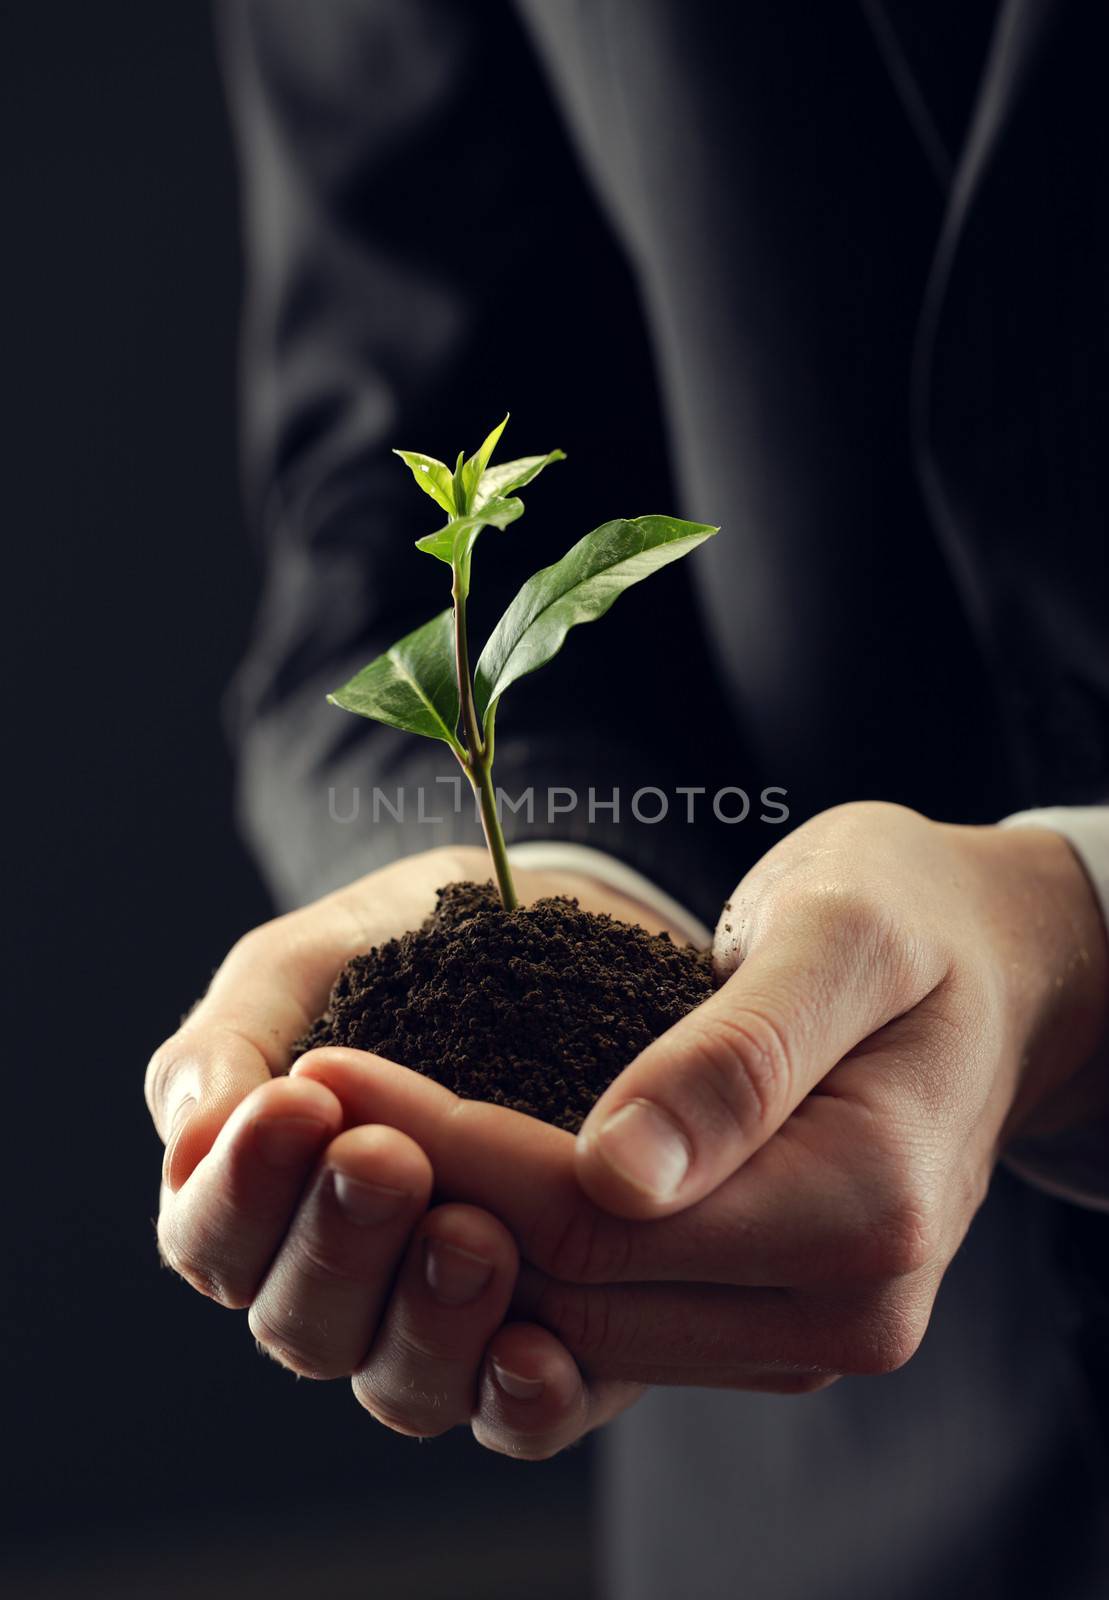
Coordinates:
1052	953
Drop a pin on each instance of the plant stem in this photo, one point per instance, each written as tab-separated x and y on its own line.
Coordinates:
494	836
478	765
470	728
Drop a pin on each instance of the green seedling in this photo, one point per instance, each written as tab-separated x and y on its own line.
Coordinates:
424	684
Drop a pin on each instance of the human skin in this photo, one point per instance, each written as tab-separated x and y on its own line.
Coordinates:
898	1000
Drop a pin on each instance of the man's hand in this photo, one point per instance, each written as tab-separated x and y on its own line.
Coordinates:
904	997
898	998
271	1200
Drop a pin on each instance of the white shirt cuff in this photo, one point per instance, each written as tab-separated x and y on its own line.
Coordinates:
1073	1166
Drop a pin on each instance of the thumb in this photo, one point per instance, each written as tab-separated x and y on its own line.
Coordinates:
717	1085
268	988
193	1083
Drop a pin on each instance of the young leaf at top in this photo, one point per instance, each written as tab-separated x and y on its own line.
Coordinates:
484	500
434	477
473	469
579	588
412	686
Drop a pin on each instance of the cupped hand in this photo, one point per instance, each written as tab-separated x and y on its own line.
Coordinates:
900	999
271	1199
883	979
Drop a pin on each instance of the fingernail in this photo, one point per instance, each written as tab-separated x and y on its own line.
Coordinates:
642	1144
512	1383
286	1142
181	1116
454	1276
366	1203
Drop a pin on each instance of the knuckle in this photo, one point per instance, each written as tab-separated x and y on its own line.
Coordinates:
849	910
582	1245
908	1242
184	1253
904	1236
881	1339
743	1062
856	918
293	1345
415	1352
419	1414
892	1221
585	1319
519	1446
318	1265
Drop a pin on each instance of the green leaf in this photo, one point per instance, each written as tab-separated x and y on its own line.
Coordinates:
458	488
579	588
456	539
412	686
513	475
473	469
493	507
434	477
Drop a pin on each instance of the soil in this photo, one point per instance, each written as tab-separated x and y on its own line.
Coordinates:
537	1009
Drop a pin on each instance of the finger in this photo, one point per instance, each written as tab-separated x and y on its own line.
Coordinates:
267	992
534	1401
701	1335
319	1305
701	1099
805	1207
451	1296
828	1200
513	1165
855	1188
238	1037
837	1197
221	1230
193	1083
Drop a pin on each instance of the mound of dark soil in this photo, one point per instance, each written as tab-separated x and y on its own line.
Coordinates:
537	1009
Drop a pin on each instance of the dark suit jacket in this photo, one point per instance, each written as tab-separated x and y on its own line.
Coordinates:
836	277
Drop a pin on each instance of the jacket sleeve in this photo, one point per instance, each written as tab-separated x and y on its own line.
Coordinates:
422	253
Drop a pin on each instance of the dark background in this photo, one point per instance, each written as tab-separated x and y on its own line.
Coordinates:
147	1447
